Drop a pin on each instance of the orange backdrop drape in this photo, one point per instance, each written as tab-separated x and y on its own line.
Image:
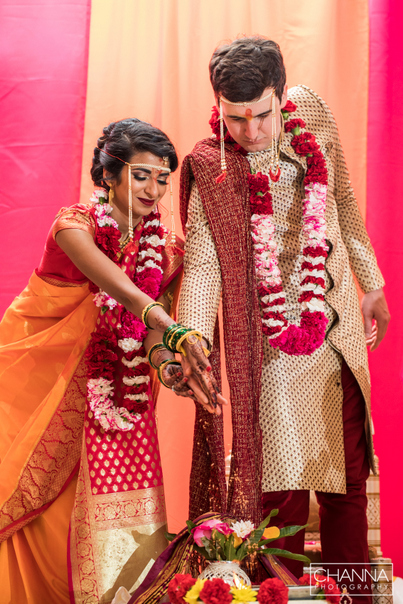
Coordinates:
149	59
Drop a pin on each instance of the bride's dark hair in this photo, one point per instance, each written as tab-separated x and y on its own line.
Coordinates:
123	139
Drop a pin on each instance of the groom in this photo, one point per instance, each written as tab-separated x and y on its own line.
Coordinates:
295	341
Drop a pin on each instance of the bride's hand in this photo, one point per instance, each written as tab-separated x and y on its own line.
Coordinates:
197	368
173	377
182	385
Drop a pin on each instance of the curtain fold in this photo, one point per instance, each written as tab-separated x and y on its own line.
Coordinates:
43	81
385	226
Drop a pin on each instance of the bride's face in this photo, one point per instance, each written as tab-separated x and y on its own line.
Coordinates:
148	185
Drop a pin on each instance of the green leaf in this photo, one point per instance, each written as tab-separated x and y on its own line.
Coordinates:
241	552
201	551
230	549
191	525
266	521
256	535
259	194
265	541
288	531
207	546
220	541
170	536
285	554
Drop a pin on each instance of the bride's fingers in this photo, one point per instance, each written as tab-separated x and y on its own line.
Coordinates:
221	400
201	396
198	391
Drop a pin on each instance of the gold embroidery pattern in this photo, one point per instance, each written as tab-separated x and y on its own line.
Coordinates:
93	516
146	506
123	461
74	218
52	461
82	557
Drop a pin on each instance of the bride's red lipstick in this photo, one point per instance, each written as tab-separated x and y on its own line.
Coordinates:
147	202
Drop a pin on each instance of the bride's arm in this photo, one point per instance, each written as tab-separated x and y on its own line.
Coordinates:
80	248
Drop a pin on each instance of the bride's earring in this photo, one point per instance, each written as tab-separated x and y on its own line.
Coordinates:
111	196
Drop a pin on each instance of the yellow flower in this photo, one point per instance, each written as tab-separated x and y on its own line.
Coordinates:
245	594
237	540
271	532
192	595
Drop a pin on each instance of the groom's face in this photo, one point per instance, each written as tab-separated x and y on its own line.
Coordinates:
251	126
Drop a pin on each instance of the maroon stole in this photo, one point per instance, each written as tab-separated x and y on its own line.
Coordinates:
228	212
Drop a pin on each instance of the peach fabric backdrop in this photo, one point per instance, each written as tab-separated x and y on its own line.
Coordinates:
150	60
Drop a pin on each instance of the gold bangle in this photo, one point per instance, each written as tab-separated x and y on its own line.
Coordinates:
192	332
146	310
158	346
206	351
161	367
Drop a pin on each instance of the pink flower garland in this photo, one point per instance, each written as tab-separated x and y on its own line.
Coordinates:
309	335
119	328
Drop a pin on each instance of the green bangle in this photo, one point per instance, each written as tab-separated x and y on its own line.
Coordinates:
168	333
161	367
146	310
173	334
153	349
176	336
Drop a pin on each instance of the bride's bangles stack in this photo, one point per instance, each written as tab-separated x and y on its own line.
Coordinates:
176	334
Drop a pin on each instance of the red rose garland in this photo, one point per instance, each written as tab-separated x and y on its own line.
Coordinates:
309	335
120	334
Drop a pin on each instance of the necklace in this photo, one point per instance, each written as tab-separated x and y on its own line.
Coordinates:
117	365
308	336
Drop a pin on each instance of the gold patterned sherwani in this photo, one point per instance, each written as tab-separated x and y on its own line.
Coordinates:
301	397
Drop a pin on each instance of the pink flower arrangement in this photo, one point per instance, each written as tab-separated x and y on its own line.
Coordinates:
222	538
206	529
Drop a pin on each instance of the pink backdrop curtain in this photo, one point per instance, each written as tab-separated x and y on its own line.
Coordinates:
385	225
43	82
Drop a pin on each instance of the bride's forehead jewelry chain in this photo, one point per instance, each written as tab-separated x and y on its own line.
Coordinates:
164	168
274	158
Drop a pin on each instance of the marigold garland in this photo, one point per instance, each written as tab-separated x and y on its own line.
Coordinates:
118	327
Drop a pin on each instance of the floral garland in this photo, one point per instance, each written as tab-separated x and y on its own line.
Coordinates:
328	587
309	335
184	589
118	328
